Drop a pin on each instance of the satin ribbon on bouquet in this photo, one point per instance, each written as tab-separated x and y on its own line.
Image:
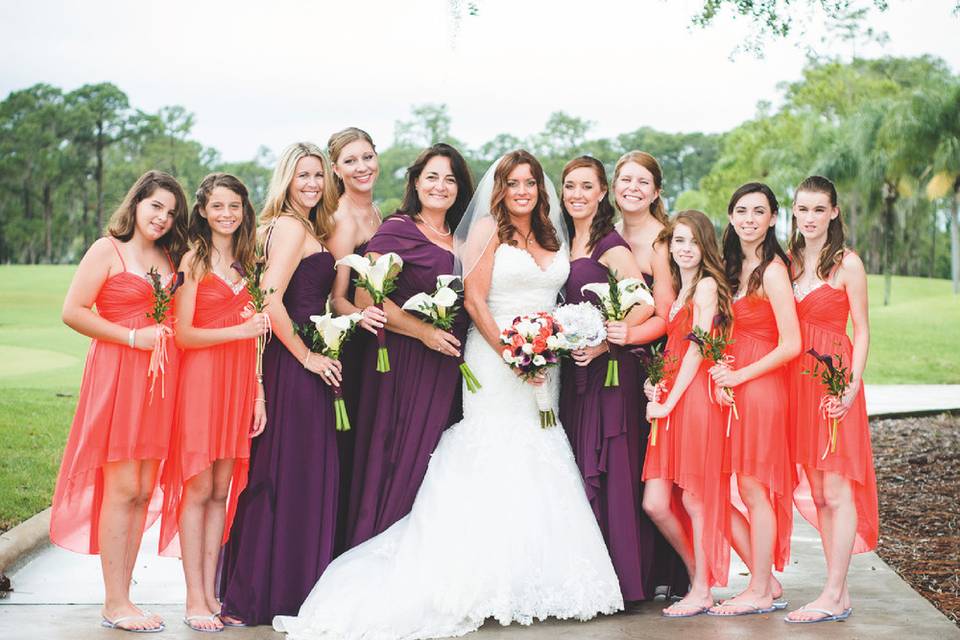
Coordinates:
656	421
262	340
727	360
833	424
158	359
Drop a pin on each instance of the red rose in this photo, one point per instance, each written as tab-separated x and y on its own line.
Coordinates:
539	344
517	341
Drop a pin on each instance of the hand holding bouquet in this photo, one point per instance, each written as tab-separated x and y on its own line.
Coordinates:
326	336
713	347
258	302
534	343
440	309
379	278
617	298
836	380
162	299
582	326
659	365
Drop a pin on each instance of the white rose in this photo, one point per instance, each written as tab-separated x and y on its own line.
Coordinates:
527	348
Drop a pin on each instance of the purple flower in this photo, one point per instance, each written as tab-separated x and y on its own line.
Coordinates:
177	283
825	359
694	338
236	266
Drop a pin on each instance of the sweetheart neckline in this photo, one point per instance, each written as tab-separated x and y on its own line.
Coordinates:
532	259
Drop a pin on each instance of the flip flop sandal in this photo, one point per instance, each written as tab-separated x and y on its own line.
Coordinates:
230	623
117	622
692	610
191	620
752	610
828	616
780	605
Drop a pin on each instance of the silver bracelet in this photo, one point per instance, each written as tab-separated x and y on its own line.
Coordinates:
132	337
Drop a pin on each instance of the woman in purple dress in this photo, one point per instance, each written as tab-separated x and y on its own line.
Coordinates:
356	167
404	411
283	533
636	186
603	423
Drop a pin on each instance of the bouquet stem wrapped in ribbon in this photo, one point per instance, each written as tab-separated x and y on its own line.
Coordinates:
582	327
532	344
836	380
659	365
440	309
379	278
326	336
162	299
713	346
616	299
257	302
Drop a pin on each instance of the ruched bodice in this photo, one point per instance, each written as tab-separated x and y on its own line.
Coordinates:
125	296
519	286
310	284
217	305
826	308
755	320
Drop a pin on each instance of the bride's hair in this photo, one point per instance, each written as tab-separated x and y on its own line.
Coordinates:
540	225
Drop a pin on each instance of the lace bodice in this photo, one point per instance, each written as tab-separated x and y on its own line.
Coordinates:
518	284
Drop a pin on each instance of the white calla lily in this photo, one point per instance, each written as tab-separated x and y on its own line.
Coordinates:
633	291
450	281
332	329
445	297
374	272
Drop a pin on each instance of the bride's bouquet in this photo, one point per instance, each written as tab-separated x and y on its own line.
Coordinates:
379	278
440	309
532	344
162	299
582	327
327	336
617	298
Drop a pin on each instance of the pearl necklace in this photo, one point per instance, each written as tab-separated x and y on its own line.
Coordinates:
442	234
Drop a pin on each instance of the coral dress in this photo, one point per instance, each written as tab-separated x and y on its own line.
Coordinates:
406	409
117	417
758	445
823	321
214	405
690	448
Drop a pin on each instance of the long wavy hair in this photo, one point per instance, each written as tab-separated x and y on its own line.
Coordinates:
657	209
319	221
123	221
543	231
711	263
411	205
770	249
336	144
832	252
602	223
200	235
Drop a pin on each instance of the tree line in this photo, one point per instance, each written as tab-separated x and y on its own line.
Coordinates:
886	130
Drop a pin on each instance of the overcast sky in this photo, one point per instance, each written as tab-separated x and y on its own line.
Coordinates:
271	72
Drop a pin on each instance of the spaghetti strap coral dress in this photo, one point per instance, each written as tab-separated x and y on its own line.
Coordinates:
283	532
405	410
690	449
117	417
758	444
823	317
214	405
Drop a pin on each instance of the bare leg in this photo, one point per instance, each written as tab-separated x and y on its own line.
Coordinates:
740	530
196	496
699	596
122	509
213	534
836	502
763	529
657	494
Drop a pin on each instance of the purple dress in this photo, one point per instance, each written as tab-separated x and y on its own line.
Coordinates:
282	536
608	433
404	411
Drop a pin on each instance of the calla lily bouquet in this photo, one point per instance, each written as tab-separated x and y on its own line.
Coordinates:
533	343
379	278
713	346
836	380
162	299
583	327
327	335
659	365
440	309
258	303
616	298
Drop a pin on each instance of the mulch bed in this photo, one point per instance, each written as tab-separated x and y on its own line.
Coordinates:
918	476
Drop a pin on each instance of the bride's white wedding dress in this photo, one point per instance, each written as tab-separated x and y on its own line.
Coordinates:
501	526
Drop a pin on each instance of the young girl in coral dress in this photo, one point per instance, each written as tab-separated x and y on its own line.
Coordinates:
830	286
689	449
220	403
766	337
121	431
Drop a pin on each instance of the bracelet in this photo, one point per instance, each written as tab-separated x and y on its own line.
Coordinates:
306	358
132	338
260	400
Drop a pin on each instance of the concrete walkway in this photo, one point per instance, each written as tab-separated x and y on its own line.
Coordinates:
58	594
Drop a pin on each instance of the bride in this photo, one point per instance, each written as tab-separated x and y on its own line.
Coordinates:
501	526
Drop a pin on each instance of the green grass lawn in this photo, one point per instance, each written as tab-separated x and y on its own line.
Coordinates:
914	340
